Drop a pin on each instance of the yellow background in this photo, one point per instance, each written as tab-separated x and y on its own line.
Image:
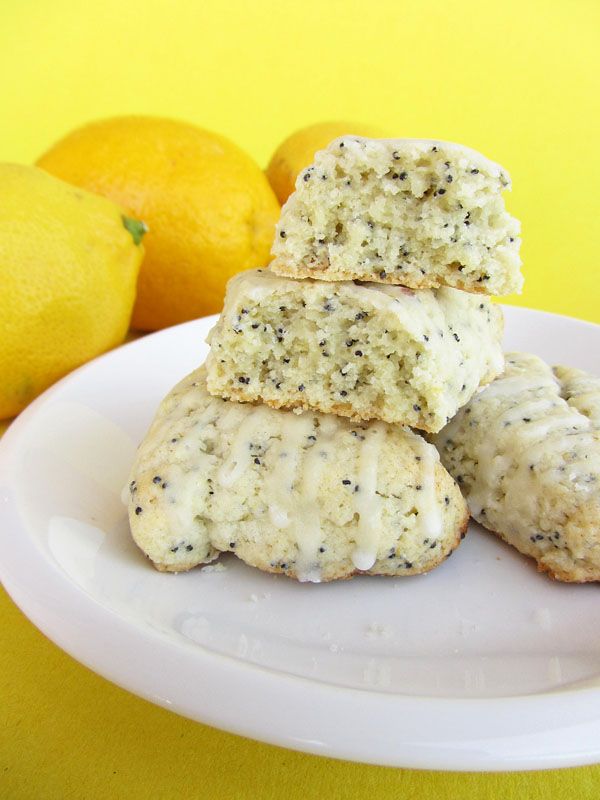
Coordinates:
517	79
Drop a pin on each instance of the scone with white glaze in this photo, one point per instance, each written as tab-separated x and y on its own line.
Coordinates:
526	453
417	213
312	496
361	351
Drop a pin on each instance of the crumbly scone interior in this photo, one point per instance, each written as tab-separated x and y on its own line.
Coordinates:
347	355
375	210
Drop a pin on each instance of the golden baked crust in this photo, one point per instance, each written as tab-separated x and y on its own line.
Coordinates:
322	272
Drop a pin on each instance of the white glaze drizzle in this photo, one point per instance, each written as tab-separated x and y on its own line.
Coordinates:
367	502
499	449
233	415
308	523
295	428
240	455
430	514
514	385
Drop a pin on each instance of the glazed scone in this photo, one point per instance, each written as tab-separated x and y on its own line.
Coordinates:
410	212
361	351
308	495
526	453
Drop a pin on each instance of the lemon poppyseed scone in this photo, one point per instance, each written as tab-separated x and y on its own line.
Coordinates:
309	495
362	351
411	212
526	453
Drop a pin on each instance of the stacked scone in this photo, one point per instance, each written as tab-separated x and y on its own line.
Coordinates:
292	447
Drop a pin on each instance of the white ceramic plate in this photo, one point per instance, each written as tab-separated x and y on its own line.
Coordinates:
481	665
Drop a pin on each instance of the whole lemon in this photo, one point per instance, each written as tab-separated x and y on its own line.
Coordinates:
208	206
298	150
69	262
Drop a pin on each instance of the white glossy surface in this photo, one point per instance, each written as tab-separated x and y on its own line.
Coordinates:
483	664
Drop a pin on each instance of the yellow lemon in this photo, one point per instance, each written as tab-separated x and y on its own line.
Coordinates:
208	206
298	150
69	262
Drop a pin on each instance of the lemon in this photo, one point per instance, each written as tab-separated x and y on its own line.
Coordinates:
209	208
69	262
298	150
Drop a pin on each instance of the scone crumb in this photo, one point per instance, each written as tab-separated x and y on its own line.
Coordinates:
217	567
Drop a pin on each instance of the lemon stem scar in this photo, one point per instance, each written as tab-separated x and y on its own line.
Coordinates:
136	228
